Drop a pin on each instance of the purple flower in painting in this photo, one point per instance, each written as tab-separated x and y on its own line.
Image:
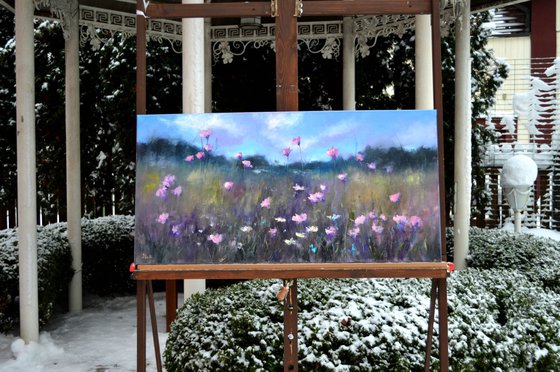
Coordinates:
228	185
177	191
299	218
400	220
415	222
389	169
331	232
189	158
296	141
332	152
215	238
376	228
395	198
272	231
360	220
266	203
383	218
372	166
247	164
161	192
200	155
168	180
208	147
162	218
354	232
239	155
286	152
342	177
372	216
360	157
316	197
175	230
205	133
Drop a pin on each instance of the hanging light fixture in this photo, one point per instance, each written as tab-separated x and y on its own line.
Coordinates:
250	23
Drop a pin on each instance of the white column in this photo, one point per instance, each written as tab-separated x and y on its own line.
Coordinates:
423	63
73	173
193	92
348	65
462	137
26	172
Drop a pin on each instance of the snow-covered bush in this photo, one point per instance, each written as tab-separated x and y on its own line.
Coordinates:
497	320
107	251
538	258
54	273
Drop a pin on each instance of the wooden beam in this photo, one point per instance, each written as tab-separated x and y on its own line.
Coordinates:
286	57
365	7
211	10
140	59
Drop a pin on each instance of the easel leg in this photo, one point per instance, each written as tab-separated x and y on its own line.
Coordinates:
443	335
170	303
141	326
430	326
290	330
154	325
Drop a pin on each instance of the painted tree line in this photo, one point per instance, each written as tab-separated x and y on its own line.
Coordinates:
384	80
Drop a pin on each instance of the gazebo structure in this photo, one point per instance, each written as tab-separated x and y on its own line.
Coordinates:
203	42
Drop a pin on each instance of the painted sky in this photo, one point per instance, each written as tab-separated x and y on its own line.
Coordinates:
267	133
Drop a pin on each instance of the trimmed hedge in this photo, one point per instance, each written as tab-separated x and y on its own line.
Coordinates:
107	251
499	319
54	269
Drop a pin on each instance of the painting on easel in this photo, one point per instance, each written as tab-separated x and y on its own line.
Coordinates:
287	187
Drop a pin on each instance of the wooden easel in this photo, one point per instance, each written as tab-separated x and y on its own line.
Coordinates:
286	14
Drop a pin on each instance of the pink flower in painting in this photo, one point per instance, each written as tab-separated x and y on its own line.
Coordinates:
177	191
383	218
342	177
372	216
208	147
299	218
161	192
189	158
215	238
200	155
360	157
376	228
316	197
372	166
247	164
266	203
331	231
360	220
415	222
332	152
205	133
272	231
239	155
162	218
286	152
395	198
228	185
296	141
354	232
323	187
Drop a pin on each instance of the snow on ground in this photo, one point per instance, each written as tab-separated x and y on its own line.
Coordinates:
103	336
100	338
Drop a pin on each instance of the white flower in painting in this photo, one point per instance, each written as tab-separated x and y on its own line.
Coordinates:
280	219
298	187
246	229
290	241
300	235
312	229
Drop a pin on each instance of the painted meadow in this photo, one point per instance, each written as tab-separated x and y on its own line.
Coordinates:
287	187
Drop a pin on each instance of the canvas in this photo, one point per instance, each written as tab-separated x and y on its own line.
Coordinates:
287	187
